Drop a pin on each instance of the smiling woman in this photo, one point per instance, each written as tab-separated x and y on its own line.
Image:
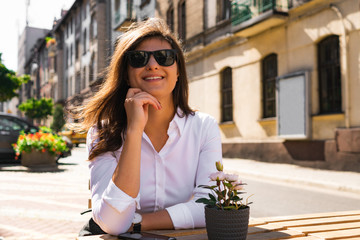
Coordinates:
148	149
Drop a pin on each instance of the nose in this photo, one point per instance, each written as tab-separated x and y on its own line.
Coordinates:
152	63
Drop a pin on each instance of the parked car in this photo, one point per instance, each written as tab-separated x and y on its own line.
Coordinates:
10	128
75	137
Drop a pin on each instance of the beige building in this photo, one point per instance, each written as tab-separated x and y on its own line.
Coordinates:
281	77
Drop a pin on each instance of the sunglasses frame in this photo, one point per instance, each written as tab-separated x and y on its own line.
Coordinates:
148	55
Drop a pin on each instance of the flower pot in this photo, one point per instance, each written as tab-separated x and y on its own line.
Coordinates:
226	224
35	158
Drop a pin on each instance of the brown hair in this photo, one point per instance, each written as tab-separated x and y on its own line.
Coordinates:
106	109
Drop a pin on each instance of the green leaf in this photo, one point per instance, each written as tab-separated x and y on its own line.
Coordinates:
212	197
228	185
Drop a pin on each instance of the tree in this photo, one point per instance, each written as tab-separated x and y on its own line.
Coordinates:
9	82
58	121
37	109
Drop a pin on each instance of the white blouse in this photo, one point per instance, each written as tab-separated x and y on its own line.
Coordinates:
169	178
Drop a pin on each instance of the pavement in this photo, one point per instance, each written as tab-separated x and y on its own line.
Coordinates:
45	203
343	181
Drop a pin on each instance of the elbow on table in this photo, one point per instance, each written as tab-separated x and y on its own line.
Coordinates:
111	226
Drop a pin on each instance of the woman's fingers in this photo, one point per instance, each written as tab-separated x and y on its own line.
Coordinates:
132	91
135	94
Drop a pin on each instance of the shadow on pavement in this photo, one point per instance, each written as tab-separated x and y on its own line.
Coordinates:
38	169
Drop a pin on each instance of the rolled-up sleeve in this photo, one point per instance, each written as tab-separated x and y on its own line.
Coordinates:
112	209
191	214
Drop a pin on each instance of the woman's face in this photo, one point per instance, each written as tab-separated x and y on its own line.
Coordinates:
153	78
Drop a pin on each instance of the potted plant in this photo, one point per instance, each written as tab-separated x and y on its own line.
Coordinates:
226	213
39	148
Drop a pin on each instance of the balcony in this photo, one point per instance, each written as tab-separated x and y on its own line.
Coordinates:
124	15
250	17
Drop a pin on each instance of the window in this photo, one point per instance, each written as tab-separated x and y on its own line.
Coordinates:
269	74
226	95
182	21
78	82
329	75
71	54
71	26
84	44
83	84
144	2
66	58
77	50
223	8
85	10
92	68
93	27
117	5
170	18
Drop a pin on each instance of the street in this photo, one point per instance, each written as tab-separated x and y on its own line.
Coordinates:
46	204
282	199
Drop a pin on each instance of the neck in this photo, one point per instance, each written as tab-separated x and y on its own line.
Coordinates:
160	119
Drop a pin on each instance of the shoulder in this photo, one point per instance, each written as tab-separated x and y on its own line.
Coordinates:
203	117
202	120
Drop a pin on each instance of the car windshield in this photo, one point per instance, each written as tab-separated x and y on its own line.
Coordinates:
12	125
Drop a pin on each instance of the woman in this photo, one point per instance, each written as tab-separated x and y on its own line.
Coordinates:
148	149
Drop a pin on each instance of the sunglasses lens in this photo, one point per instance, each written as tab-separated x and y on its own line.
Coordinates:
138	59
165	57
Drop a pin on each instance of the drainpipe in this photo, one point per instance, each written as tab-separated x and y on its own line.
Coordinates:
344	51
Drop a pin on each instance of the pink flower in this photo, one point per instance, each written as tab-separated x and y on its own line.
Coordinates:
231	177
237	185
217	176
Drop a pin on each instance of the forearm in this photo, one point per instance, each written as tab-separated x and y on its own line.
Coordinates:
127	173
163	221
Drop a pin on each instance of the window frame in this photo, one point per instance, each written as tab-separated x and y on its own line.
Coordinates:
269	80
226	80
170	18
182	20
329	75
223	10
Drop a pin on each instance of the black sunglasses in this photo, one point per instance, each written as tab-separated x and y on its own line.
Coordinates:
164	57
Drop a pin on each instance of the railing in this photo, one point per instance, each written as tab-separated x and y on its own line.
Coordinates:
243	10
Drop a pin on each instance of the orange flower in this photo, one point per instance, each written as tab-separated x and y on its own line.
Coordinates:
43	150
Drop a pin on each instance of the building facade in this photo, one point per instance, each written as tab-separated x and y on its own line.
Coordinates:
82	49
26	41
285	78
281	77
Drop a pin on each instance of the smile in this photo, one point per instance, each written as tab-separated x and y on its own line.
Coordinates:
153	78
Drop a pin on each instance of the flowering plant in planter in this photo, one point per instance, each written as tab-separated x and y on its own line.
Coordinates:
226	192
39	141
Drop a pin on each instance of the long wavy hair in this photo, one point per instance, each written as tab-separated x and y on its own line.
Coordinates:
106	109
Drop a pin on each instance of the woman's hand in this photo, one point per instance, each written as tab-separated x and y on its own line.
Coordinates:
137	108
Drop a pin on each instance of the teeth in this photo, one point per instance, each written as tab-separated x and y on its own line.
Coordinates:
153	78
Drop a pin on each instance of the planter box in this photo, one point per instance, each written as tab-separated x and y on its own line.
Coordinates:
35	158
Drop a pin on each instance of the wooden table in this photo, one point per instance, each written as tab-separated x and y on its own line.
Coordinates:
334	225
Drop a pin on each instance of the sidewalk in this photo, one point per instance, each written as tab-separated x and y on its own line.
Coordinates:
46	203
333	180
